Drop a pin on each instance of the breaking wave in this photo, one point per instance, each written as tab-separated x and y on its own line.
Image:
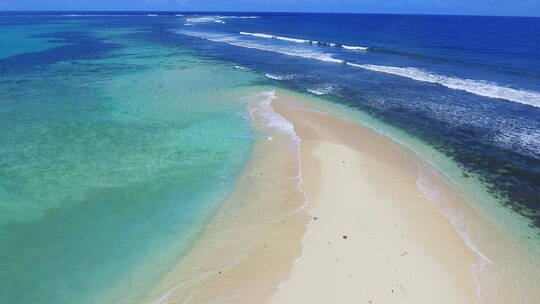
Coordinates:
477	87
473	86
269	48
298	40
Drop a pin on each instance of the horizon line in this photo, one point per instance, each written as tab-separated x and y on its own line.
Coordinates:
266	12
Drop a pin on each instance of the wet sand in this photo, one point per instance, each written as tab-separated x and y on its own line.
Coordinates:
376	238
334	215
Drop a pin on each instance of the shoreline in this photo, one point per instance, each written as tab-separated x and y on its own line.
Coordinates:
504	270
264	244
250	245
365	245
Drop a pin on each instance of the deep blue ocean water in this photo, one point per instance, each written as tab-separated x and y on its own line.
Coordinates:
123	130
467	85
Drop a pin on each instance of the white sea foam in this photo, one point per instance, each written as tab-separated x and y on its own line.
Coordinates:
215	19
478	87
299	40
203	19
435	197
525	140
279	77
272	76
298	52
354	48
278	122
322	90
152	15
292	39
316	91
239	17
273	119
260	35
257	35
238	67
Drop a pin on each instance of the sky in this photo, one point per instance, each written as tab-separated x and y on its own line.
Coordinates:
456	7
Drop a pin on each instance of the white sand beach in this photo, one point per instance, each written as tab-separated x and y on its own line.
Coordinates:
333	216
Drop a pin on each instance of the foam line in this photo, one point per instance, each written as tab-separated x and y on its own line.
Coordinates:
322	90
269	48
260	35
298	40
265	109
354	48
477	87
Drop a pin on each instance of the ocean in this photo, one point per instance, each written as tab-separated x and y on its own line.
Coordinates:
123	132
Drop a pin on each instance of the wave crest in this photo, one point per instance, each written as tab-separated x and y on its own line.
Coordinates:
269	48
299	40
354	48
322	90
477	87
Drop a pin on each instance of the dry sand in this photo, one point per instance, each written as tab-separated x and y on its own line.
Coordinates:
376	237
367	234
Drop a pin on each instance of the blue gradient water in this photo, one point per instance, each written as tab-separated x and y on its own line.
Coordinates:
469	86
116	149
121	132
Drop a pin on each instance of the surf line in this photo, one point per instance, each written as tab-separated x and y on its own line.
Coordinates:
297	40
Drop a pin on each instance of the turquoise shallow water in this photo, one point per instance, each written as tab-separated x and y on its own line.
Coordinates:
115	151
119	136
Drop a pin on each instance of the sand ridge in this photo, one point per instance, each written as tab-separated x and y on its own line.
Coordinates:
366	233
376	238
